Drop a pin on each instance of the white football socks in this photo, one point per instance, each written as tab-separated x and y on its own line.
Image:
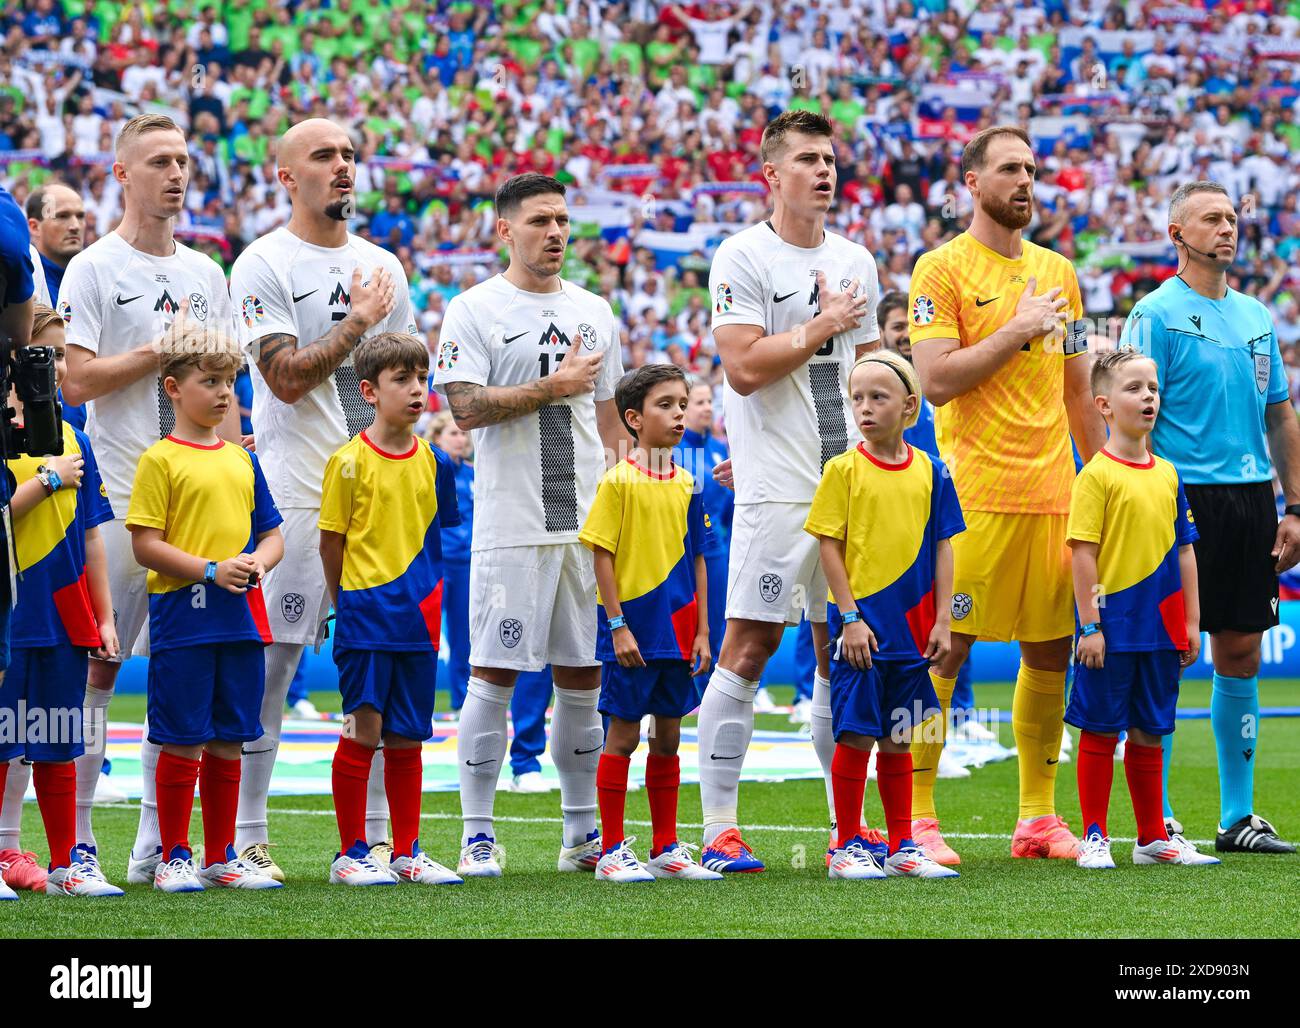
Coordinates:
577	735
726	724
823	739
148	840
376	802
480	750
11	807
94	726
258	761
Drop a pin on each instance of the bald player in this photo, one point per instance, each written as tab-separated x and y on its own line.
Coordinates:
119	297
305	296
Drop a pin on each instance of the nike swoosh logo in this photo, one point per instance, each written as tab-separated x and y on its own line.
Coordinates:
985	303
1051	761
782	299
304	296
511	339
470	763
714	756
123	303
582	752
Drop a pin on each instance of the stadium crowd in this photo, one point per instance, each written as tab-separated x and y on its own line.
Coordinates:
653	114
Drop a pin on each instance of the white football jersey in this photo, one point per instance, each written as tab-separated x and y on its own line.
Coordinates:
42	294
782	435
535	476
115	299
283	284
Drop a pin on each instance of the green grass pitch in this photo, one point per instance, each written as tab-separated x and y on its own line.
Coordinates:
994	897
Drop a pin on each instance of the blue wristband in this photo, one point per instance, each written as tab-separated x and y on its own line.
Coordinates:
850	616
617	621
1090	629
210	572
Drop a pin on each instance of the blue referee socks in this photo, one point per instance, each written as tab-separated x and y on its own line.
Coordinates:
1234	716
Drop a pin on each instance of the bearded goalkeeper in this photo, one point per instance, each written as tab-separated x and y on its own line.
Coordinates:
997	334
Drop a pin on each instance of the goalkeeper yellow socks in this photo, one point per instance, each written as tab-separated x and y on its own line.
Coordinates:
1037	710
927	745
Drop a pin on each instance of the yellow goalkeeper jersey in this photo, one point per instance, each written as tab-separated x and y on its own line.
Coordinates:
1007	441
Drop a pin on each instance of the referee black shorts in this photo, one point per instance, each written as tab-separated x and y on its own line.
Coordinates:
1238	583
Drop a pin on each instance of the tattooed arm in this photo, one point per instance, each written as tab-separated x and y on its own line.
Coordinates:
292	372
474	405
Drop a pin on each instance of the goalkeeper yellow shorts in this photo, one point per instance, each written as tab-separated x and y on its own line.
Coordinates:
1012	577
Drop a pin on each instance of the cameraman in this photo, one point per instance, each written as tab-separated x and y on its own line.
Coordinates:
16	288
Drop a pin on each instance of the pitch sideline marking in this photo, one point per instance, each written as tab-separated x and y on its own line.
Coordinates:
799	829
796	829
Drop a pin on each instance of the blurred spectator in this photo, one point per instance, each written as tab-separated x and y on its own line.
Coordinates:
653	112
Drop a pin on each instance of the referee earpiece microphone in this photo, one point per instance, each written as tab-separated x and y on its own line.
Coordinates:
1178	237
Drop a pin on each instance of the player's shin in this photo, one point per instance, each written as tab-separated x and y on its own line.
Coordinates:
927	745
91	763
894	779
1037	712
14	776
1142	768
377	801
849	783
176	778
56	794
611	787
349	773
576	739
726	725
258	760
403	771
147	838
823	740
662	782
219	796
1096	771
1234	716
480	749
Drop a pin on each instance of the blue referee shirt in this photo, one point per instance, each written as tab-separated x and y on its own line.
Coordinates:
1219	366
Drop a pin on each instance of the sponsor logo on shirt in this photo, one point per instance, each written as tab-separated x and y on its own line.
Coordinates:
166	303
553	337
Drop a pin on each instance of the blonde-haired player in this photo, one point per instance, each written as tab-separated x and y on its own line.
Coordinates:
118	298
996	328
